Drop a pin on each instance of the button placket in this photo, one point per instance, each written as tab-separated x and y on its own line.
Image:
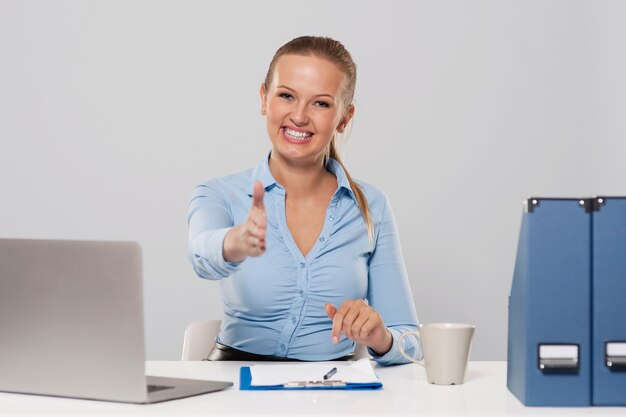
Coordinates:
291	323
330	223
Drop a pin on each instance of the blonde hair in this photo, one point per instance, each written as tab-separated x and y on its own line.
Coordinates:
336	53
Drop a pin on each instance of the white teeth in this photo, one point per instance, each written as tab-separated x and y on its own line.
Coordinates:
297	135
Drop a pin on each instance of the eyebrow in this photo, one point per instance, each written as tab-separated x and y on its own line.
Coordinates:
317	95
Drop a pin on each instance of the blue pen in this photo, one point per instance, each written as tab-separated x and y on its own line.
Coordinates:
330	373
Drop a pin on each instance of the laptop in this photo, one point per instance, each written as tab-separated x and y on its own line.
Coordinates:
71	323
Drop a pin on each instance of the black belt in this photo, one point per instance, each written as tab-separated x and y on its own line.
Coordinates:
222	352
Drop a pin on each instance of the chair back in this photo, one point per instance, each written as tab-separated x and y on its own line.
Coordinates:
199	339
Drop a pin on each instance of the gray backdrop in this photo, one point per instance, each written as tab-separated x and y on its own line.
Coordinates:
112	111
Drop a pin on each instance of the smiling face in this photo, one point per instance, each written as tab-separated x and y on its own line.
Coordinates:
304	107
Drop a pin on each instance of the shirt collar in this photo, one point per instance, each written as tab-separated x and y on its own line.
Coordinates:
262	172
342	179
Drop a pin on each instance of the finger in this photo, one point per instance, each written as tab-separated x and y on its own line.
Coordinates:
338	322
257	194
258	227
367	327
256	243
330	310
358	324
257	215
256	249
255	222
253	241
252	230
349	319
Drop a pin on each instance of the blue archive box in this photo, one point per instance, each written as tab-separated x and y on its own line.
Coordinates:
609	301
549	348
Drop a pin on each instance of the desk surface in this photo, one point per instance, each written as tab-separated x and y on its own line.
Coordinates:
405	393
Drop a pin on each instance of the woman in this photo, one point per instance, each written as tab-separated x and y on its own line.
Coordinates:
297	244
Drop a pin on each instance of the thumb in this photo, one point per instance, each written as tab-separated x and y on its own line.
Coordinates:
257	194
330	310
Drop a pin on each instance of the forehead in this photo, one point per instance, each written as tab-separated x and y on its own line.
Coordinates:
308	74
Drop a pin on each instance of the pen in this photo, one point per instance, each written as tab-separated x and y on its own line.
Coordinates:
330	373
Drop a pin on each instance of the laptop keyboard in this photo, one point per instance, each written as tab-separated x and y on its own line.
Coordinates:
154	388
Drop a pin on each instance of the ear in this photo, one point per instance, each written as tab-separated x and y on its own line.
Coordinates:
263	95
345	119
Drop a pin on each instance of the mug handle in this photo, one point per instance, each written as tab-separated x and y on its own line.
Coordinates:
419	340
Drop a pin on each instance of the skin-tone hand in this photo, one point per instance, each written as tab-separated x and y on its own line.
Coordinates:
248	238
361	323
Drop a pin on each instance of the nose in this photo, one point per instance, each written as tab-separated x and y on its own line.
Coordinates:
299	115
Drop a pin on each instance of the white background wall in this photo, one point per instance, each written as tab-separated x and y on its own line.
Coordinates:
112	111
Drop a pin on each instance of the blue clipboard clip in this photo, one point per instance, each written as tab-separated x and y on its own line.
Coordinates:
315	384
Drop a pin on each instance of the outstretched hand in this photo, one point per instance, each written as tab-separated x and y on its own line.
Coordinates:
361	323
248	238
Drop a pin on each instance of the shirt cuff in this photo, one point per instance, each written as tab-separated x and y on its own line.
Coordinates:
210	253
394	357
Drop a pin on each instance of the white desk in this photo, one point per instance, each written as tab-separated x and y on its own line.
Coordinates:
405	393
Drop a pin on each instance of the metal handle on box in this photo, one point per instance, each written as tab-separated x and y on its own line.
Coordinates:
558	357
615	355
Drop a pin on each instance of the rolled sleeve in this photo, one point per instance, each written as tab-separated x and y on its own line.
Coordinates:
208	255
394	357
210	219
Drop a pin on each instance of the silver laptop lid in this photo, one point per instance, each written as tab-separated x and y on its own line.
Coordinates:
71	319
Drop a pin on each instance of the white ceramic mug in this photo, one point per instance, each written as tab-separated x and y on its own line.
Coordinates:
446	348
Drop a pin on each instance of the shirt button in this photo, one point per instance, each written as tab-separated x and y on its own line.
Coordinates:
293	319
282	347
302	265
331	218
301	293
322	239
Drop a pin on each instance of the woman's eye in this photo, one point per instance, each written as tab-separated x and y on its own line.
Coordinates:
286	96
322	104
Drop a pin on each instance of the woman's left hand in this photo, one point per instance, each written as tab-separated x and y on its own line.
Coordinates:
361	323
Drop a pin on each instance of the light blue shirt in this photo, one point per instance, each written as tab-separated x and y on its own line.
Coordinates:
274	303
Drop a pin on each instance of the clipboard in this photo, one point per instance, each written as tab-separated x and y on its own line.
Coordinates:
245	384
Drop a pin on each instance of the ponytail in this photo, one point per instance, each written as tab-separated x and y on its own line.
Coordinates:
361	201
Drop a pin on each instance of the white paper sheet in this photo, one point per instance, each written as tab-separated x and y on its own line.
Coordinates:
360	372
